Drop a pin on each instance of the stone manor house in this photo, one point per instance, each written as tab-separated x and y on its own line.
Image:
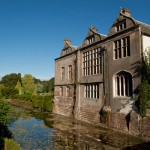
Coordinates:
102	71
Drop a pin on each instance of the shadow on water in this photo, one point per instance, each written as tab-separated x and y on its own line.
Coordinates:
4	133
142	146
39	130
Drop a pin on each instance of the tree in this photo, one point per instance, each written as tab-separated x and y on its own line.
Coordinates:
39	87
9	92
45	86
10	80
29	86
19	87
51	85
1	87
48	86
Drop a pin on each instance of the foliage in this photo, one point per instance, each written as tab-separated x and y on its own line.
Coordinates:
28	84
19	87
48	86
39	87
1	87
144	97
144	88
4	112
51	84
43	102
10	80
48	105
4	120
11	145
26	97
9	92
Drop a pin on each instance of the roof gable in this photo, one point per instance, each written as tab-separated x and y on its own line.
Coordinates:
92	37
123	21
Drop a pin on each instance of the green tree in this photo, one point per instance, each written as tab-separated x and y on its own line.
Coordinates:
10	80
48	86
51	85
19	87
39	87
45	86
28	84
9	92
1	87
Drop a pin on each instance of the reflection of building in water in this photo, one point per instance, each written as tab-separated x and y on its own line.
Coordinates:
65	140
102	71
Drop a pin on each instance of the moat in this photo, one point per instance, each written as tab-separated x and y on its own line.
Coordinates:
46	131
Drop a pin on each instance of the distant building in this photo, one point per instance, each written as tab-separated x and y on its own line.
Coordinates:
102	71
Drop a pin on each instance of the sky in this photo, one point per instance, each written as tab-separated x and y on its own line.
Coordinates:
32	31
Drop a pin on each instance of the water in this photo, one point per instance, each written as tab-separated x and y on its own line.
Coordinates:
46	131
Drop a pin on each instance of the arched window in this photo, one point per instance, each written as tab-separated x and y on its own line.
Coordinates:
123	84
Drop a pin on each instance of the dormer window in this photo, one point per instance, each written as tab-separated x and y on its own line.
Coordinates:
91	39
121	26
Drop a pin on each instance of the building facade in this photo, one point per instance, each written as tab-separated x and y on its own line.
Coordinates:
102	71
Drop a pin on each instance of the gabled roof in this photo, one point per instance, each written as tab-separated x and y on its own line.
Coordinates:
68	48
95	34
124	14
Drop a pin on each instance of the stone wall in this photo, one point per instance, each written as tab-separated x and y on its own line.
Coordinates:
63	106
131	124
88	115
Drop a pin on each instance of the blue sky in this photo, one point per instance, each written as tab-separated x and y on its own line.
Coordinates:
32	31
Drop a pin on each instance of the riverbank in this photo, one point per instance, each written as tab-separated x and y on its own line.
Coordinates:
20	103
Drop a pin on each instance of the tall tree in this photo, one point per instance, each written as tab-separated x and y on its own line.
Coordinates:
28	84
19	87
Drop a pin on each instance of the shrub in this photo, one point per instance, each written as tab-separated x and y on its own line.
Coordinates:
26	97
48	105
4	112
9	92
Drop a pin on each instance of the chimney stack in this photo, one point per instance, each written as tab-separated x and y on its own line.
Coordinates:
67	42
126	12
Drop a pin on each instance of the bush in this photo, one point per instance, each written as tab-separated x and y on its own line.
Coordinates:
48	105
9	92
11	145
42	102
4	112
26	97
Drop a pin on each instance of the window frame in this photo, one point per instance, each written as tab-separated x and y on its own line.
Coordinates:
123	84
91	62
121	48
91	91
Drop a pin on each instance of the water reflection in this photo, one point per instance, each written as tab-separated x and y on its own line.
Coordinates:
45	131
